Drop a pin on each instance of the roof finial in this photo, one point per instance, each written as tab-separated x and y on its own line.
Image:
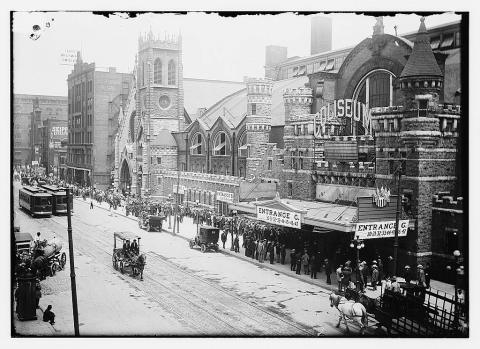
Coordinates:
378	27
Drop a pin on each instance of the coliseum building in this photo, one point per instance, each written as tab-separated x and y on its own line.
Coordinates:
322	131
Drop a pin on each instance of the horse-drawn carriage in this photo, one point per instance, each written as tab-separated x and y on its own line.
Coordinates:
128	255
412	311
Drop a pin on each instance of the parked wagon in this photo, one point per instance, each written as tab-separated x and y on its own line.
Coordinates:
126	257
151	222
47	258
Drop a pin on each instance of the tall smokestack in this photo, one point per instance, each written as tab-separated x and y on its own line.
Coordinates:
321	35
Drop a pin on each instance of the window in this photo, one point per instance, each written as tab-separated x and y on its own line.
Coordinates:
293	160
172	72
330	64
377	86
197	145
422	107
270	162
254	109
140	74
220	144
300	159
290	189
391	166
323	64
447	40
157	71
159	180
242	145
457	39
435	42
159	160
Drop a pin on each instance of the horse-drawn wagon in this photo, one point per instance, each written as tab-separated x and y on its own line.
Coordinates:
128	255
151	222
46	258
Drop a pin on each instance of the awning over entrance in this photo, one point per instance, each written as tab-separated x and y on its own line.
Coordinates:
318	214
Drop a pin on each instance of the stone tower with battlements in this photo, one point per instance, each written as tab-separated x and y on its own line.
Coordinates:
419	140
159	107
299	142
258	123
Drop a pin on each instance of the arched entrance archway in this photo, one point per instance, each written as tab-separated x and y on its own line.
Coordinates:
125	177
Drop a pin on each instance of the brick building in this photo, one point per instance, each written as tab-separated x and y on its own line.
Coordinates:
94	101
28	111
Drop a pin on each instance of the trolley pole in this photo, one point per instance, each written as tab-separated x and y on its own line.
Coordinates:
72	266
176	222
397	219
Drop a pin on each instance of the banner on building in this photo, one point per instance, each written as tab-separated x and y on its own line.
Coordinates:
376	230
181	189
280	217
225	196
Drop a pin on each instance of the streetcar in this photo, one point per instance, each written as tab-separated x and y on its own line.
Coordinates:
35	200
59	199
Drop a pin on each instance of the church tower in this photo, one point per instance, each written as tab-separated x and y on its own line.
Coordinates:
159	107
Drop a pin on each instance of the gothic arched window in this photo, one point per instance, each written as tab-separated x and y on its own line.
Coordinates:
221	144
197	144
172	71
157	71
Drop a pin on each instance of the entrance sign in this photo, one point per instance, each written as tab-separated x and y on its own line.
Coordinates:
376	230
225	196
342	108
280	217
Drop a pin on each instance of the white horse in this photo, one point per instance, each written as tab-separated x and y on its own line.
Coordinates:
350	310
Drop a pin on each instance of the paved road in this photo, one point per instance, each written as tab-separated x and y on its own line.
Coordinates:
184	292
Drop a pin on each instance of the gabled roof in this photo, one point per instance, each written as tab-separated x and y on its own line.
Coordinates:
233	108
421	62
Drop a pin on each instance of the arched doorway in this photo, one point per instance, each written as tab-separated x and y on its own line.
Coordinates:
125	178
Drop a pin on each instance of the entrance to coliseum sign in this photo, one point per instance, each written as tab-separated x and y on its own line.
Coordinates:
342	108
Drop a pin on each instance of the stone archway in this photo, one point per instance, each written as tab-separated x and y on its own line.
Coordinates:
125	177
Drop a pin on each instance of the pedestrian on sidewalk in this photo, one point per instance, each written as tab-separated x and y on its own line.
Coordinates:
407	274
328	271
298	258
278	250
38	294
421	280
381	272
49	315
272	253
91	204
374	277
283	252
389	269
427	275
261	249
339	274
347	274
224	238
313	267
305	259
293	262
236	244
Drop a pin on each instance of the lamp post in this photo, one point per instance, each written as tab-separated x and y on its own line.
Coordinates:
357	244
233	227
197	203
170	215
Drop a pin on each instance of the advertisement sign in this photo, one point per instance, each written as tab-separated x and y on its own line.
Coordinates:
376	230
181	189
225	196
58	131
280	217
34	163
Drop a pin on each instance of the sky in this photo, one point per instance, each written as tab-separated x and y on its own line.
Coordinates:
214	47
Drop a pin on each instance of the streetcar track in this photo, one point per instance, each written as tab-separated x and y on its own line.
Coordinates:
101	240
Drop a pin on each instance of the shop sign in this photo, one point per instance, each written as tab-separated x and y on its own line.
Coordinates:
225	196
376	230
181	189
342	108
34	163
280	217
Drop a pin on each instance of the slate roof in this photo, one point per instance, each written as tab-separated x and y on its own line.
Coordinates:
421	62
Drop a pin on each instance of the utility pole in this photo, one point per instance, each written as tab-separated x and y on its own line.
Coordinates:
397	219
175	222
72	265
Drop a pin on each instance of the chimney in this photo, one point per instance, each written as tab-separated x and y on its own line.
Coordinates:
321	35
274	55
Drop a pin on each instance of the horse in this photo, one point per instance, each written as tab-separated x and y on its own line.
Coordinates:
138	265
350	310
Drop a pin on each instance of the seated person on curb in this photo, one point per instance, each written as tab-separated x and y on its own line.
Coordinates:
49	315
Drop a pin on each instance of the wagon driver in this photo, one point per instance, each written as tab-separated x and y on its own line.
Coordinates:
134	247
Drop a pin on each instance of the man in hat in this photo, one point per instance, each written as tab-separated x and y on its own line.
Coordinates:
374	276
395	285
134	247
407	274
293	261
339	277
421	280
328	271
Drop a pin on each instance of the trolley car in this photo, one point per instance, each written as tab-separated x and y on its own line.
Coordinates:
35	200
59	199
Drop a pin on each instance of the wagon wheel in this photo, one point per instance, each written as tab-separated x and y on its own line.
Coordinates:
53	269
122	270
203	248
114	261
63	260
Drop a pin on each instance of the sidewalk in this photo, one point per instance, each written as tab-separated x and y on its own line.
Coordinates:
187	230
33	328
